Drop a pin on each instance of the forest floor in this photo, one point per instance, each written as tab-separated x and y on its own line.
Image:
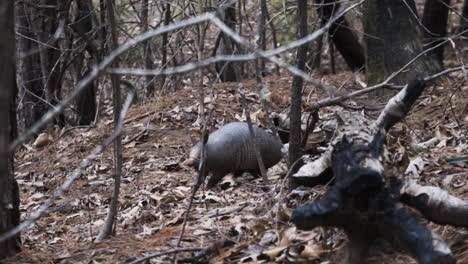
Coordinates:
156	187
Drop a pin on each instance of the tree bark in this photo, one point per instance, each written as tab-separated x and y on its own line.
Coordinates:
102	22
342	36
261	43
106	230
464	19
227	70
392	39
273	34
50	22
435	21
86	101
147	55
295	137
165	43
365	202
49	56
32	105
9	193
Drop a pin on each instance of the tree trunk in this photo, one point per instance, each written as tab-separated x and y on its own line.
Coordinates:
295	138
392	40
49	56
149	83
464	19
435	21
342	35
9	193
86	100
106	230
273	34
50	21
227	70
261	42
102	22
165	43
315	56
32	105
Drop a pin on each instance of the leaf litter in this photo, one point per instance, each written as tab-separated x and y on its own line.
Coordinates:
156	188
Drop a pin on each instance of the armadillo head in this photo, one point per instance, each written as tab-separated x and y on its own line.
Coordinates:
194	156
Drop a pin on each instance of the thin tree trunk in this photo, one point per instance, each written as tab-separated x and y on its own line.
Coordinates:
147	55
63	14
31	91
103	21
435	21
49	23
342	36
86	101
49	57
295	138
227	70
165	43
332	56
261	43
317	56
106	230
464	19
9	192
273	33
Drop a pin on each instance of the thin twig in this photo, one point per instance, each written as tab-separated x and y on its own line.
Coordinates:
202	165
253	137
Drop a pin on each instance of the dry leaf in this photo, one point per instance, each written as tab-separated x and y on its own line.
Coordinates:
312	251
177	219
42	140
358	80
415	167
273	253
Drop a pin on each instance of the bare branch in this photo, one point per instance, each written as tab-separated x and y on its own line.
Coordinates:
436	204
270	55
400	104
47	117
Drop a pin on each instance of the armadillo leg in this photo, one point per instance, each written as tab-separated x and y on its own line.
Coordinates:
214	179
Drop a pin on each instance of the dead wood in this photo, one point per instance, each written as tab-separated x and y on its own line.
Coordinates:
369	204
435	204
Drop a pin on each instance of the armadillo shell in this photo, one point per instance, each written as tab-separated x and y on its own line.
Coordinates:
231	149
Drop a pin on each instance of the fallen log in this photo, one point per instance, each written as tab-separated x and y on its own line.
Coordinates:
367	203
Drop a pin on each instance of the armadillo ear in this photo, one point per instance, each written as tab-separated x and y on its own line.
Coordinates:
194	141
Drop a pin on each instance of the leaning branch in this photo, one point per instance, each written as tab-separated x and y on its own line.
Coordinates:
400	104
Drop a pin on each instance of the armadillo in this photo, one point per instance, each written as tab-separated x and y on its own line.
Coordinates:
230	150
